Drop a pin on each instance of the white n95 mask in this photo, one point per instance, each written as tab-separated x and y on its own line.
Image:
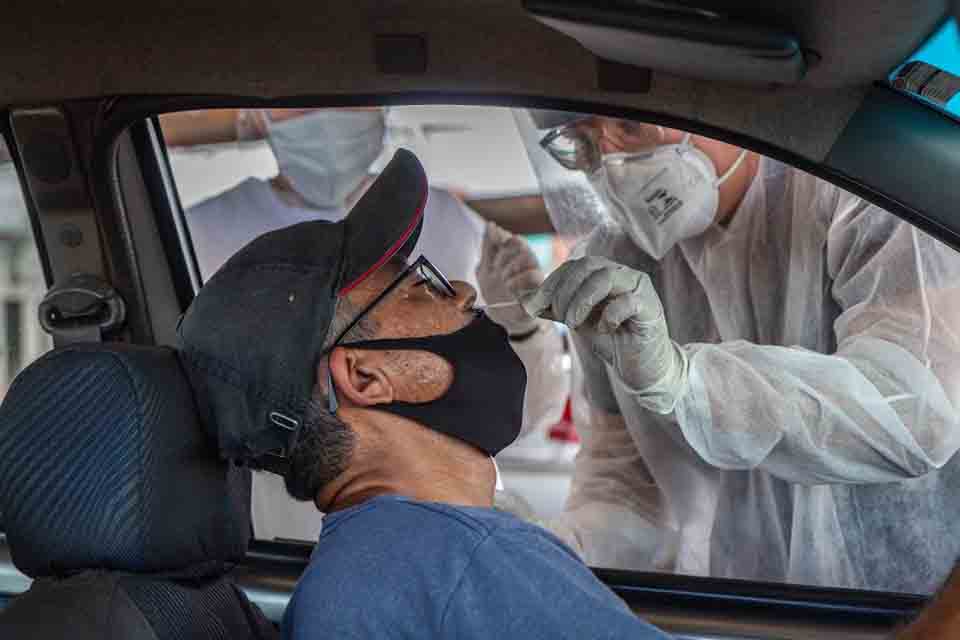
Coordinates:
663	196
327	153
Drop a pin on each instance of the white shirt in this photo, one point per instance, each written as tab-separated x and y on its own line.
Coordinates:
220	226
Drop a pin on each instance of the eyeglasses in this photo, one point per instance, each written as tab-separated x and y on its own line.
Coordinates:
576	146
573	148
430	277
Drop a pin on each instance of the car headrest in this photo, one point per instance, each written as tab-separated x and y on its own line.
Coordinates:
103	465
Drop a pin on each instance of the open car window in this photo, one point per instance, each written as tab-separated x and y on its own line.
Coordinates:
223	156
807	428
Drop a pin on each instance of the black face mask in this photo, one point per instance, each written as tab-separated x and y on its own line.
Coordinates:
484	405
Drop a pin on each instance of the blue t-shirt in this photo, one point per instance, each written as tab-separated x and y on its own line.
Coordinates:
397	568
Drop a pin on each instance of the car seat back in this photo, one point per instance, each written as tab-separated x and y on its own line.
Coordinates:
115	501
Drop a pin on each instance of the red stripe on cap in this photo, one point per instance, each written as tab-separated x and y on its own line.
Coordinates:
392	250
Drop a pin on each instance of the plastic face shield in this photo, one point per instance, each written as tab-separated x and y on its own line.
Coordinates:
574	207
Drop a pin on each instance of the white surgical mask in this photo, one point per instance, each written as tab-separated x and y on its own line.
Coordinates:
326	154
663	196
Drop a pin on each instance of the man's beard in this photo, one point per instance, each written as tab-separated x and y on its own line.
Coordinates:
322	452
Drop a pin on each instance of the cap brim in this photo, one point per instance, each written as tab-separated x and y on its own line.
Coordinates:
386	221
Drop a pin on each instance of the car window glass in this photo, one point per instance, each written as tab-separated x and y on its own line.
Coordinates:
236	162
778	402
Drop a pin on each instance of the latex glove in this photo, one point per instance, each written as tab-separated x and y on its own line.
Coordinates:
617	314
508	269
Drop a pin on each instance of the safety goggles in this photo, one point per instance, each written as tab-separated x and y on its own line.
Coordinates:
576	146
427	275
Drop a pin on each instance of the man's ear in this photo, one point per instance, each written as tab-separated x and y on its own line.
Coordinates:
360	376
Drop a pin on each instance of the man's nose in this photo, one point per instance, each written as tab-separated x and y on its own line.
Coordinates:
466	295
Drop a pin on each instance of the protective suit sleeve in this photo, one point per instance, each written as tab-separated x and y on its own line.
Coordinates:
882	407
548	384
613	517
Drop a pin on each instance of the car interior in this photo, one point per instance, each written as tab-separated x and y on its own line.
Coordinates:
94	530
99	518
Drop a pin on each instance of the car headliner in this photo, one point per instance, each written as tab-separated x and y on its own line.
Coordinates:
54	51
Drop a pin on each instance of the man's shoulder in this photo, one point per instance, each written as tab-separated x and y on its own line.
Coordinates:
403	558
523	582
434	570
449	536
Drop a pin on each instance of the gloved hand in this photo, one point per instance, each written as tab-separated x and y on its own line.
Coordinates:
507	270
617	314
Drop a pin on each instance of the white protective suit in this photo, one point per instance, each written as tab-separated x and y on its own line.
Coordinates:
451	237
816	442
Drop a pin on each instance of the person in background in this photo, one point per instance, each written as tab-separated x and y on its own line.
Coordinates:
325	159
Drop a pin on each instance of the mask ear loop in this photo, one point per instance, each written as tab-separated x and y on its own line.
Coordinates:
686	145
733	168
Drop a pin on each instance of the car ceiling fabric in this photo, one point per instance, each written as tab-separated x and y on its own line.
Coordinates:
54	52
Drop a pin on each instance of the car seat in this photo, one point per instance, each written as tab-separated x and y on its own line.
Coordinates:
115	502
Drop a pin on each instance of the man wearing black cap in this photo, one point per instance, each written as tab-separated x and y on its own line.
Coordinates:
374	388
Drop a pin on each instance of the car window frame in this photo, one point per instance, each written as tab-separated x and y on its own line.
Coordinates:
687	595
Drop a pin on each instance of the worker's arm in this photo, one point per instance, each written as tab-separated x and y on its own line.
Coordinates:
613	516
882	407
548	384
941	619
207	126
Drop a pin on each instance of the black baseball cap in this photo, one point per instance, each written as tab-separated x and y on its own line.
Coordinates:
251	337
